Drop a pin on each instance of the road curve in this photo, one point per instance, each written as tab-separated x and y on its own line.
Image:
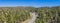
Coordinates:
32	20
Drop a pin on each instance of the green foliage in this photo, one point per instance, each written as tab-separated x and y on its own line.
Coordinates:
14	15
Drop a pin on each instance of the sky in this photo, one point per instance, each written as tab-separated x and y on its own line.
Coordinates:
35	3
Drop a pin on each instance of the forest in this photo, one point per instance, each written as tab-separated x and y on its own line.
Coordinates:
21	14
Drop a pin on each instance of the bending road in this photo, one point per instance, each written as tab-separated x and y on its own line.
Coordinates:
32	20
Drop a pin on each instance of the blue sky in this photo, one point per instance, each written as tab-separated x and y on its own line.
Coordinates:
36	3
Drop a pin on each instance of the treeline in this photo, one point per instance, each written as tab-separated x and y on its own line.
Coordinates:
20	14
47	14
13	15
